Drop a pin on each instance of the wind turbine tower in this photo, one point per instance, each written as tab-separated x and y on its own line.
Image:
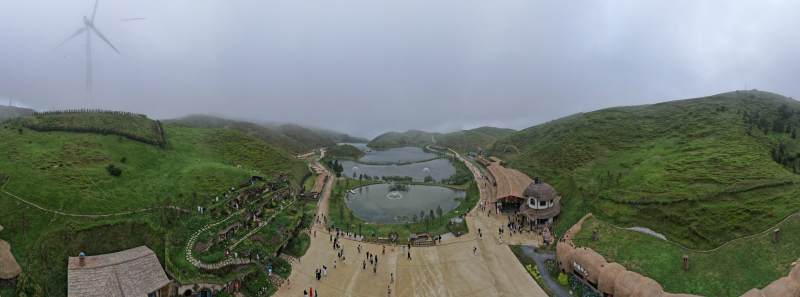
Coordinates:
88	26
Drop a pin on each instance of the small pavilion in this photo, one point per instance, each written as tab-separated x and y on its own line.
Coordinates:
534	204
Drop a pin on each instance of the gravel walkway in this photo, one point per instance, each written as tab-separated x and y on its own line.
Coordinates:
540	258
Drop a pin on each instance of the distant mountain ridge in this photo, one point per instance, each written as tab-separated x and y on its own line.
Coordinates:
265	134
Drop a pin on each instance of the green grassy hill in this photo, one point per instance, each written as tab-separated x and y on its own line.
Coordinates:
269	136
395	139
8	112
306	136
344	151
67	171
133	126
461	141
468	140
700	171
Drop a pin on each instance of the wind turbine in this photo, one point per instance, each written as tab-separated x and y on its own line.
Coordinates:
88	27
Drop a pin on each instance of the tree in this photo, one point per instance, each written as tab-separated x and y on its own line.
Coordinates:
422	215
794	134
431	215
426	219
354	174
429	179
414	219
439	212
360	177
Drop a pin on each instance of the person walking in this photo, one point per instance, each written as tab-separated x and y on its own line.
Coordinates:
501	239
365	265
390	290
315	233
391	277
384	250
298	259
324	270
375	269
474	251
376	260
288	284
305	293
409	254
334	264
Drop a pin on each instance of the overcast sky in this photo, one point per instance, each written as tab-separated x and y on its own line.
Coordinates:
367	67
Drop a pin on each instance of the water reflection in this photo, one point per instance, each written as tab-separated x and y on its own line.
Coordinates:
377	204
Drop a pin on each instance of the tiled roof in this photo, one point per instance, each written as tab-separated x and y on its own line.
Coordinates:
133	272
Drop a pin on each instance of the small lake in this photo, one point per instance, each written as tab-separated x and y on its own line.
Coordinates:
393	155
375	203
438	169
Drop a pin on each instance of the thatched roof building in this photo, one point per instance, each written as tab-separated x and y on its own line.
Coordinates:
133	272
510	182
9	268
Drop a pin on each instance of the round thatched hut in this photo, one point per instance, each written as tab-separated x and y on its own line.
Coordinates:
9	268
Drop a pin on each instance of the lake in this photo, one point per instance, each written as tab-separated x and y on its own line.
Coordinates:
393	155
374	203
438	169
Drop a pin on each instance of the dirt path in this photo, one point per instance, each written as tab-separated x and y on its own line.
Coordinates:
93	216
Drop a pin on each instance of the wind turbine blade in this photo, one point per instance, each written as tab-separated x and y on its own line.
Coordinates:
95	9
133	19
73	35
103	38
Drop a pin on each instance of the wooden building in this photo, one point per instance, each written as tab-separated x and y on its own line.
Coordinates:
133	272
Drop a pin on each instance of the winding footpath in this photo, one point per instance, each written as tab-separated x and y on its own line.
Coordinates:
94	216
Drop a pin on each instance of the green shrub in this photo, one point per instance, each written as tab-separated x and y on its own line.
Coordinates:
562	279
213	258
114	170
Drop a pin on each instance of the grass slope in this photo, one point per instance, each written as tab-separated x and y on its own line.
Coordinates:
8	112
306	136
201	160
697	170
267	135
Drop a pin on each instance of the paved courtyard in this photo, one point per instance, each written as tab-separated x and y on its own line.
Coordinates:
448	269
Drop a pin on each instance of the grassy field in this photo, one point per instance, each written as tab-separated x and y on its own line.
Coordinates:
699	171
66	172
435	227
271	137
729	271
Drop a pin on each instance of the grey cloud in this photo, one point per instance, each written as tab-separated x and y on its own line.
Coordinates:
367	67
